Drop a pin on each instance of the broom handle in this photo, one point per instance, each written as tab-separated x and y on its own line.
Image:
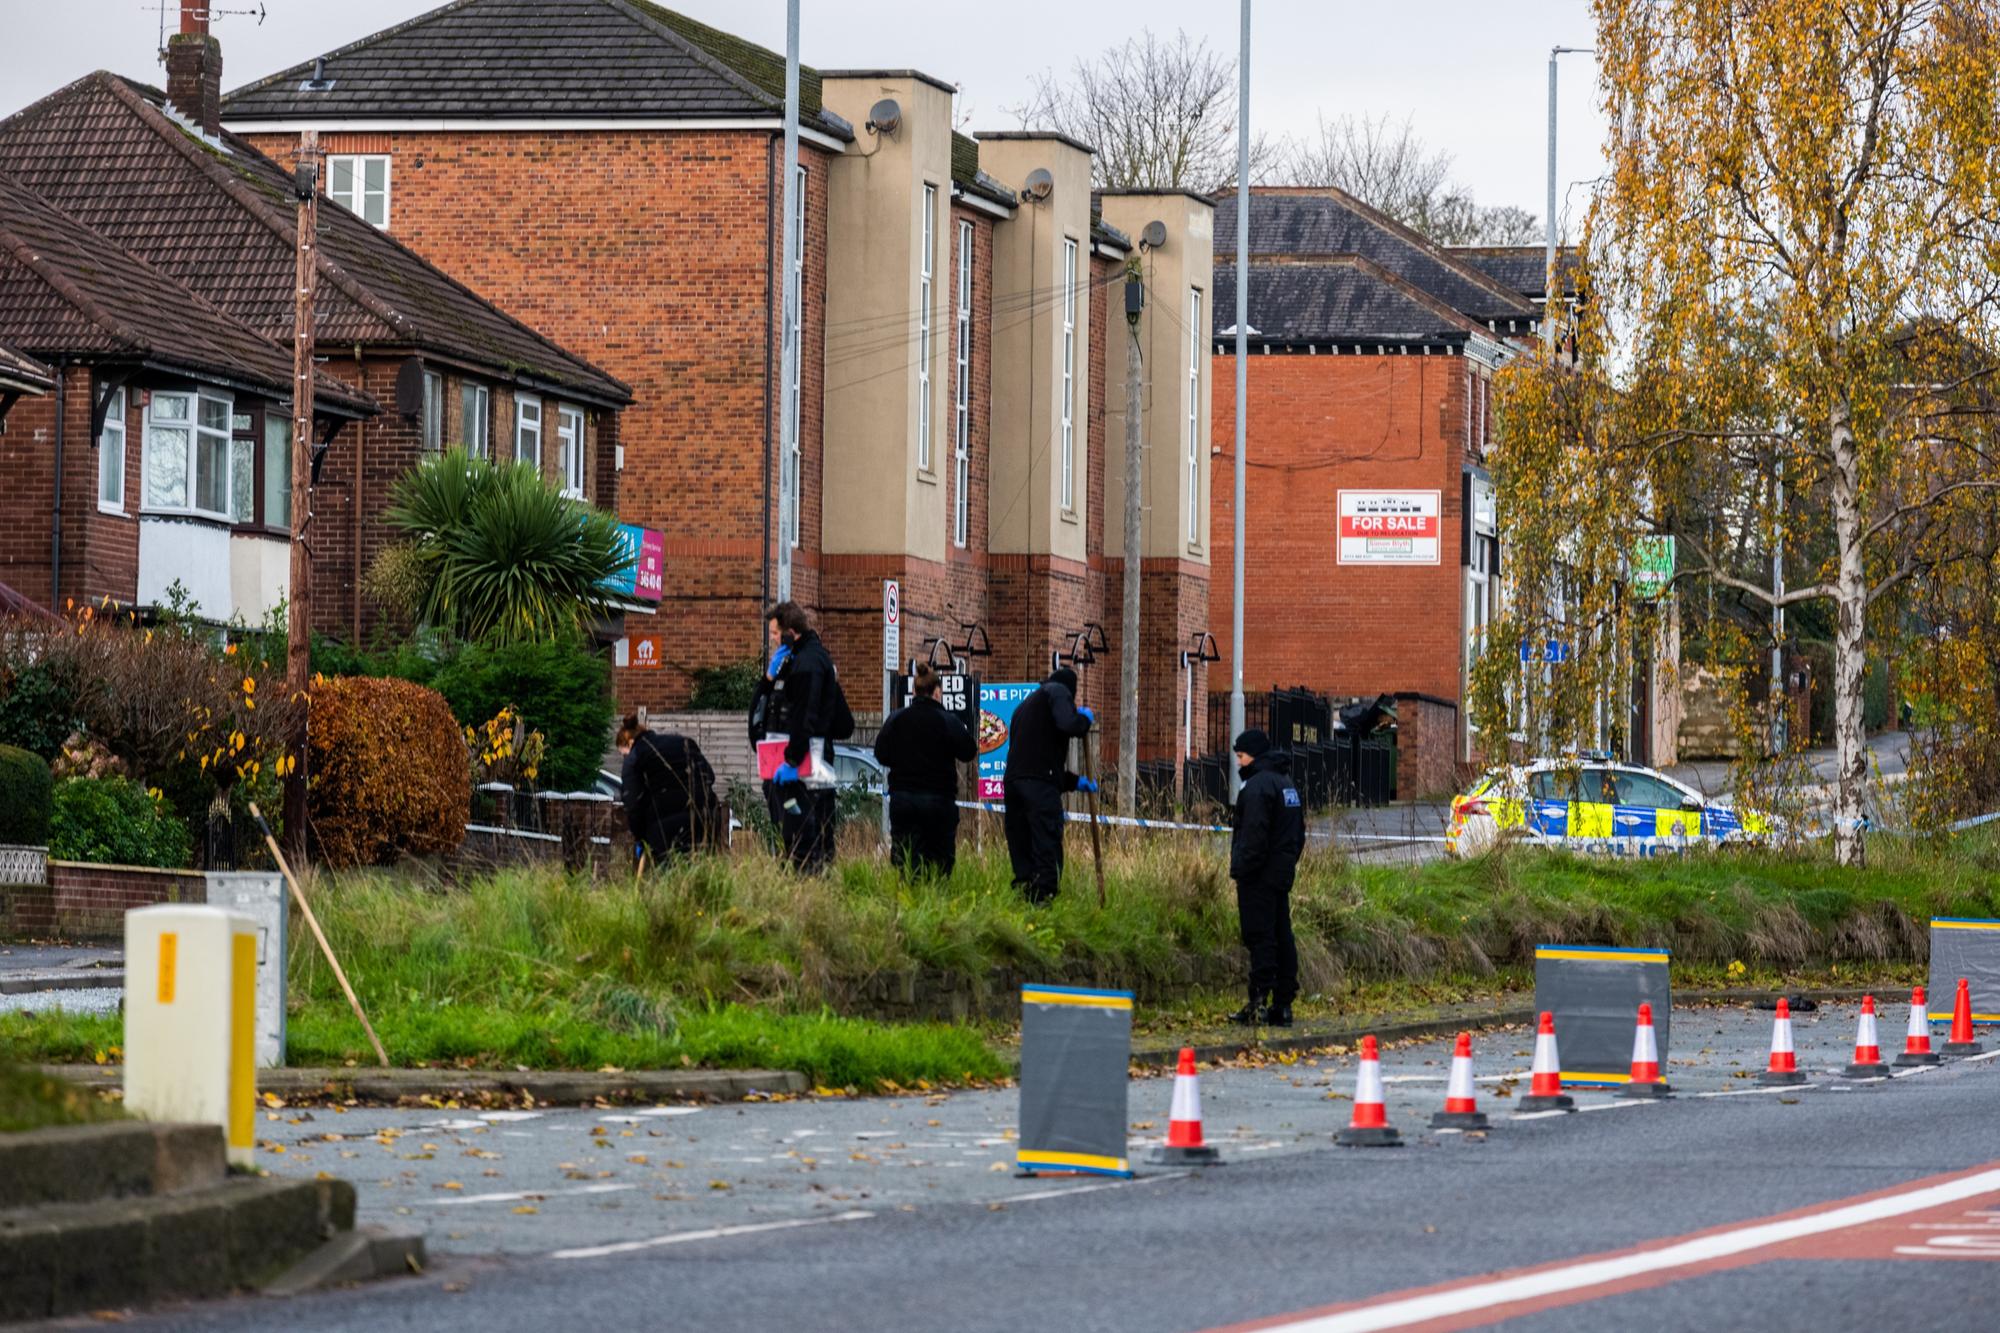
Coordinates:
298	896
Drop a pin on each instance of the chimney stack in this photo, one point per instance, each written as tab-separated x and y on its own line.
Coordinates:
194	69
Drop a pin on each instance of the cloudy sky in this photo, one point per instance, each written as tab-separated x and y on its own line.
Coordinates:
1471	76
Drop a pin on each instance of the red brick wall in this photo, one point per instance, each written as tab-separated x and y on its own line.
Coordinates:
1316	425
1426	747
100	552
90	901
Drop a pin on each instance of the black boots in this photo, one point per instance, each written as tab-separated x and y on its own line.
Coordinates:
1262	1012
1278	1014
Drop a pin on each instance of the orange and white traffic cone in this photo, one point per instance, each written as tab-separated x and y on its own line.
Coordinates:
1917	1045
1646	1080
1962	1041
1784	1066
1461	1103
1867	1045
1370	1126
1184	1146
1545	1084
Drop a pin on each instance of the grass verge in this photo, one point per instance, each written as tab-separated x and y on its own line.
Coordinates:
30	1099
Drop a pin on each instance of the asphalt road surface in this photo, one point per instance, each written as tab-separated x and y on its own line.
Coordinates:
891	1214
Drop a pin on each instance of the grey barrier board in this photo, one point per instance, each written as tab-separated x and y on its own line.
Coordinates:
260	895
1076	1052
1595	993
1969	948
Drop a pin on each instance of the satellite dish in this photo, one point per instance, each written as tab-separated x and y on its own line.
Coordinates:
885	117
410	389
1154	236
1041	184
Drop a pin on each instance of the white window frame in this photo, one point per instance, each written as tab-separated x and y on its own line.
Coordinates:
434	411
356	199
792	465
961	426
475	428
571	438
1197	344
528	422
110	464
196	432
926	267
1068	280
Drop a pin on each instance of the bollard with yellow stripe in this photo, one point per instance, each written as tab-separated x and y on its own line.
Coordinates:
1076	1053
1966	947
191	1020
1593	990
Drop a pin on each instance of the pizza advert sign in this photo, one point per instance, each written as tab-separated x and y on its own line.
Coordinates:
1390	527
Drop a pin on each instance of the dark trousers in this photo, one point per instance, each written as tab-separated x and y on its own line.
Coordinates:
1264	912
923	832
807	836
1035	836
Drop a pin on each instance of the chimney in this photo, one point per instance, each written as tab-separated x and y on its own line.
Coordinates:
194	69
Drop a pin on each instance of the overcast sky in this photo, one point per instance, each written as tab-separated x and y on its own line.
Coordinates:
1472	76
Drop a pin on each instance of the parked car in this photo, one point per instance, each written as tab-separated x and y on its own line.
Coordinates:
1595	805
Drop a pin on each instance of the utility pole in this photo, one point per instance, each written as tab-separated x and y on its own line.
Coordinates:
1779	729
1128	655
298	624
788	373
1242	378
1551	287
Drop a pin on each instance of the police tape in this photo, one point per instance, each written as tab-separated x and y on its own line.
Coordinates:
1000	808
1974	822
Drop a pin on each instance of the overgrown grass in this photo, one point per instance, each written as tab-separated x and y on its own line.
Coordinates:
30	1099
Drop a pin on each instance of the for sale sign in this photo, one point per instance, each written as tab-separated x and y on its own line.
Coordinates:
1390	527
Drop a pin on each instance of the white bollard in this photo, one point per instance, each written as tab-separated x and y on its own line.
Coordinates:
191	1020
260	895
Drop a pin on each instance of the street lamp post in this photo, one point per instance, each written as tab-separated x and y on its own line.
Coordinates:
1242	340
1549	285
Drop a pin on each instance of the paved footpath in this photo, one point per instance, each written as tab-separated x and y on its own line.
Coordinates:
863	1214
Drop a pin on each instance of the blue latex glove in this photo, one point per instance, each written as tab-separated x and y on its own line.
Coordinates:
778	659
1086	784
785	775
1088	716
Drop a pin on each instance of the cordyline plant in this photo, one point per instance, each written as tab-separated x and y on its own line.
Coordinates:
1791	283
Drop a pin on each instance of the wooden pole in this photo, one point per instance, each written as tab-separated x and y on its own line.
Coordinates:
298	896
298	622
1096	845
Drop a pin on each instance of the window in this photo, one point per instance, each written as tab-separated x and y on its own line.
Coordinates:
111	456
961	427
924	272
433	411
789	492
1197	344
475	419
277	486
188	453
361	186
570	443
243	467
1068	280
528	429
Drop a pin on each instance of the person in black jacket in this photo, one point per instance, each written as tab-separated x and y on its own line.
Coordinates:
805	705
1264	847
669	791
1037	776
922	746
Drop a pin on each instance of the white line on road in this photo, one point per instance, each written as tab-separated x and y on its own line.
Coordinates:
513	1196
1093	1189
713	1233
1755	1092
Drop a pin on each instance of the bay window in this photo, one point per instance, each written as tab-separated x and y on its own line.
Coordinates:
188	445
111	456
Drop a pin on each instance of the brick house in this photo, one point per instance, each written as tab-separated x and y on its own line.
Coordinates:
154	178
953	401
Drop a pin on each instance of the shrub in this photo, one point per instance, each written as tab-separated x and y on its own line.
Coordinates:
386	771
115	821
729	688
24	797
38	694
561	689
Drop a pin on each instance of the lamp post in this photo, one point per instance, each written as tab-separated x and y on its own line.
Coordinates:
1242	340
1549	284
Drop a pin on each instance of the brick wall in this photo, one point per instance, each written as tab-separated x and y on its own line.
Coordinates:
1426	747
100	551
90	901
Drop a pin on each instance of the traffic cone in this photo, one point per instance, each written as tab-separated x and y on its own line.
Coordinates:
1184	1146
1917	1046
1784	1065
1867	1046
1646	1080
1545	1085
1461	1106
1370	1127
1962	1041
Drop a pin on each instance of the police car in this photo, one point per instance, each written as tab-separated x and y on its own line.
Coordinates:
1594	805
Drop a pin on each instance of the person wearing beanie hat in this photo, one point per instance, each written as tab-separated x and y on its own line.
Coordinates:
1268	835
1038	775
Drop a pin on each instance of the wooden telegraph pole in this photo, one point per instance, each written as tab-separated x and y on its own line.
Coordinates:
298	625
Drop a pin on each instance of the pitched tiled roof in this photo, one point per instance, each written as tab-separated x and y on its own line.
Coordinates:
967	176
1329	222
66	291
540	59
1519	267
217	216
1339	300
21	373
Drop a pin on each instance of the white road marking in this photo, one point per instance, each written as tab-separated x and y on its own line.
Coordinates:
1755	1092
453	1124
1620	1104
512	1196
656	1111
1033	1195
510	1115
1588	1273
713	1233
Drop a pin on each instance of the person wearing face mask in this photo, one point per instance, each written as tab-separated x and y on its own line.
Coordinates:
1268	835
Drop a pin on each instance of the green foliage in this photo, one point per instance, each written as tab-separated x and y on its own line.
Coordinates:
30	1099
38	697
559	688
414	659
24	797
727	688
115	821
498	553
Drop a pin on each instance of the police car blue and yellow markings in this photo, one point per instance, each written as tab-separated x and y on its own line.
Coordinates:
1098	999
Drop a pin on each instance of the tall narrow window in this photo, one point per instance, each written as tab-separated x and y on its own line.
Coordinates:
361	186
277	468
961	411
243	467
1068	279
789	473
528	429
433	411
111	456
570	438
474	419
925	269
1197	343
